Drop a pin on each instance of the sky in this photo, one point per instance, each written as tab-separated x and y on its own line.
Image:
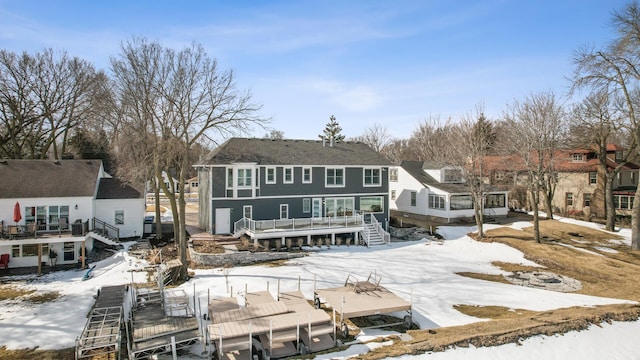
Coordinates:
391	63
432	286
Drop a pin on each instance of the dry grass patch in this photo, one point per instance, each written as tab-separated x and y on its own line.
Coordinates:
562	252
487	277
24	354
508	328
12	292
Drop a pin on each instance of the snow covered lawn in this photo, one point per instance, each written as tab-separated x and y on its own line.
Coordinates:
421	273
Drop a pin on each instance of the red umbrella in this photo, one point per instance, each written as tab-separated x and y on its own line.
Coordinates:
17	216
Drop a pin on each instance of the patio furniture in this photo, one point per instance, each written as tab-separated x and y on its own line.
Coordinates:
13	231
63	224
4	261
31	229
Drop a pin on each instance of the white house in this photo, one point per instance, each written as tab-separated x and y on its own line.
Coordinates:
62	206
438	191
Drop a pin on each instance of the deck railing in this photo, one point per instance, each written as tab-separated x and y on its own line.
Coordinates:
299	224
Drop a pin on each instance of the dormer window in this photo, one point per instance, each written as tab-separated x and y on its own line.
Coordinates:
618	156
452	175
578	157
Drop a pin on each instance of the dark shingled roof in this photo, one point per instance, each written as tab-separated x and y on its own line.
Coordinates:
416	169
112	188
294	152
48	178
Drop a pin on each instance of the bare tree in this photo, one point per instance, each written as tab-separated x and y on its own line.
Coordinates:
187	100
376	136
43	97
430	140
536	125
473	140
599	120
614	70
274	135
397	150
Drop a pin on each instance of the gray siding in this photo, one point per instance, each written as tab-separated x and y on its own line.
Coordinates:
268	209
354	183
219	185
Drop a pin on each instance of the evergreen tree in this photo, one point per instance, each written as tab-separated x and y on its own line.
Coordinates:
332	130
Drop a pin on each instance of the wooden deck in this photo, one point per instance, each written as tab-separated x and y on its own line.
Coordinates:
152	329
101	334
362	298
278	324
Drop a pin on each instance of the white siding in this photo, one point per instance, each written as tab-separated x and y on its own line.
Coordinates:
133	214
84	210
403	187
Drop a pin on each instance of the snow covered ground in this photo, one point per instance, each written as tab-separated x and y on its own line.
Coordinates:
418	271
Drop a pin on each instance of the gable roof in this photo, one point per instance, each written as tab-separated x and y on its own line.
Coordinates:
417	170
112	188
563	162
294	152
48	178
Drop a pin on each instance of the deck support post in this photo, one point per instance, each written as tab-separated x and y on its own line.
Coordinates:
282	241
333	238
309	240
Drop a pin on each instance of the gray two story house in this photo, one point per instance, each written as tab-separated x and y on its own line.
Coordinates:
267	188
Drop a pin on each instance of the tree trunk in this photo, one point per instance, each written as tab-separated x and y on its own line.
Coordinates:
609	208
548	199
157	205
477	209
181	237
635	223
536	218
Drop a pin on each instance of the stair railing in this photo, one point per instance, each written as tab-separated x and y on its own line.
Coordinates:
105	229
385	236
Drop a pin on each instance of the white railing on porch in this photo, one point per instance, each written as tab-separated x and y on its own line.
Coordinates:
386	237
299	224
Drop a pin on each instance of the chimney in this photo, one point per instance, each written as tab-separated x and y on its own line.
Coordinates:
324	141
331	141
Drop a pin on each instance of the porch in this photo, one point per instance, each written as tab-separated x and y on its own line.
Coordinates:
364	227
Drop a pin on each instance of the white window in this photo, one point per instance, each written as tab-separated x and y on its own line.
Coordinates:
334	207
414	196
436	201
247	211
271	176
578	157
373	204
569	199
393	194
229	178
623	202
119	217
244	178
284	211
306	175
306	205
288	175
393	174
334	177
593	177
372	177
